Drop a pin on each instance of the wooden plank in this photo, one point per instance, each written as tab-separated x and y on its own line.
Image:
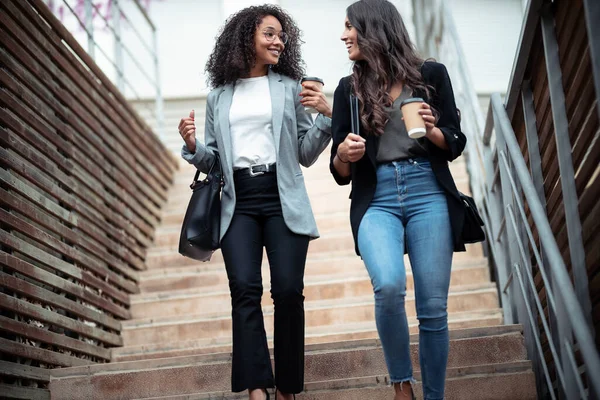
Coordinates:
22	130
68	217
47	297
580	79
64	285
69	198
86	261
90	90
113	96
98	137
591	215
43	355
122	268
22	371
74	238
55	339
22	307
587	139
568	33
25	393
38	178
60	265
94	90
582	109
96	185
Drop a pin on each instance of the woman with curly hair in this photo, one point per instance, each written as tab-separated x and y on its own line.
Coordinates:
257	124
404	199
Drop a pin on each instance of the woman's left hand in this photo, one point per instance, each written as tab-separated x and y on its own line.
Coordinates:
428	117
312	96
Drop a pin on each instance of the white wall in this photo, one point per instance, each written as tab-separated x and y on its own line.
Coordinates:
489	31
187	28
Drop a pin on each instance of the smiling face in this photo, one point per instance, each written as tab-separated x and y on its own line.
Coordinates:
267	41
350	38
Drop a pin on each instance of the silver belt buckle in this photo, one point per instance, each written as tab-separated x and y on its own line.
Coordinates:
252	173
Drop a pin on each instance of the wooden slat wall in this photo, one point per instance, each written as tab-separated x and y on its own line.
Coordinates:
584	133
82	183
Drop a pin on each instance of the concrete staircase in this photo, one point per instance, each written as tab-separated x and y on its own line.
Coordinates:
177	346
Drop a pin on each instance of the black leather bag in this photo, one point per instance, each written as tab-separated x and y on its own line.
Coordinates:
472	229
200	231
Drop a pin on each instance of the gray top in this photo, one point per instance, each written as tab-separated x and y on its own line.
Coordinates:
395	144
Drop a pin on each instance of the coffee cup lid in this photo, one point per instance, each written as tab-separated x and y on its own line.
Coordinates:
411	100
313	78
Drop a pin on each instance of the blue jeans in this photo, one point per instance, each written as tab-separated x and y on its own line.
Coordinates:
409	208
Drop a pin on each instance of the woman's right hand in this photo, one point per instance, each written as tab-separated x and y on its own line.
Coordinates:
187	130
352	148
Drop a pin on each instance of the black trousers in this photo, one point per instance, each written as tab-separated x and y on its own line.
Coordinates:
257	223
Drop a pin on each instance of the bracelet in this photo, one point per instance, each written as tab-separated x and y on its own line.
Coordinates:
340	158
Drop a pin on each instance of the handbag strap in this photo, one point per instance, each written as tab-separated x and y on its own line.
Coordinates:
216	162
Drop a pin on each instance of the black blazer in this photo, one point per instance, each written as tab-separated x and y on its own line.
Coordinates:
363	172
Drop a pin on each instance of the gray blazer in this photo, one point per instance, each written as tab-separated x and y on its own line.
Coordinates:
297	141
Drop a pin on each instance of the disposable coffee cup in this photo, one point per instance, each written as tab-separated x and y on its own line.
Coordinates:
317	81
415	125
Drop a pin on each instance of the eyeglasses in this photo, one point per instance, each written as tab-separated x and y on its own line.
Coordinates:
270	36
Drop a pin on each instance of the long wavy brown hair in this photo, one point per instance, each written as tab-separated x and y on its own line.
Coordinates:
388	57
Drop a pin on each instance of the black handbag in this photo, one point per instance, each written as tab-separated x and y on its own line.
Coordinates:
200	231
472	228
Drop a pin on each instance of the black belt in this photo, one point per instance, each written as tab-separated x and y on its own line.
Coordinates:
256	169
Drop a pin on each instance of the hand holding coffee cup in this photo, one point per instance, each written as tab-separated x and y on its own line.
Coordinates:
313	99
414	120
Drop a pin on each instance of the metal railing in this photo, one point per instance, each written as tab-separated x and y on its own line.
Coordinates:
502	187
85	11
514	238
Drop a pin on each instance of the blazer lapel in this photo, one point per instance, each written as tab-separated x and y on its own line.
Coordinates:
223	107
277	89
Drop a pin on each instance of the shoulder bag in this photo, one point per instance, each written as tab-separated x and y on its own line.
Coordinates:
200	231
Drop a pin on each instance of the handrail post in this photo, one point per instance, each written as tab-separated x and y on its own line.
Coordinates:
506	240
89	26
159	99
118	43
565	162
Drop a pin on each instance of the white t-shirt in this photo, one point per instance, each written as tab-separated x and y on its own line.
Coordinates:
250	123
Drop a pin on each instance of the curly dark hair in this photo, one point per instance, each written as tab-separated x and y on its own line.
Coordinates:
234	54
389	58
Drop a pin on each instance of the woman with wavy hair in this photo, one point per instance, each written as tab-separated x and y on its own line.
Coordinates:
404	199
257	125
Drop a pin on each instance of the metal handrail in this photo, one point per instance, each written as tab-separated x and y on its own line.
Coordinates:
120	47
500	190
558	271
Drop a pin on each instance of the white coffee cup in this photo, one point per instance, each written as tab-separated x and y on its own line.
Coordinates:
317	81
414	122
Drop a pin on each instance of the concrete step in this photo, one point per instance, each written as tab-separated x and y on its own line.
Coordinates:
167	256
209	323
168	233
211	372
475	322
191	279
324	287
473	383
